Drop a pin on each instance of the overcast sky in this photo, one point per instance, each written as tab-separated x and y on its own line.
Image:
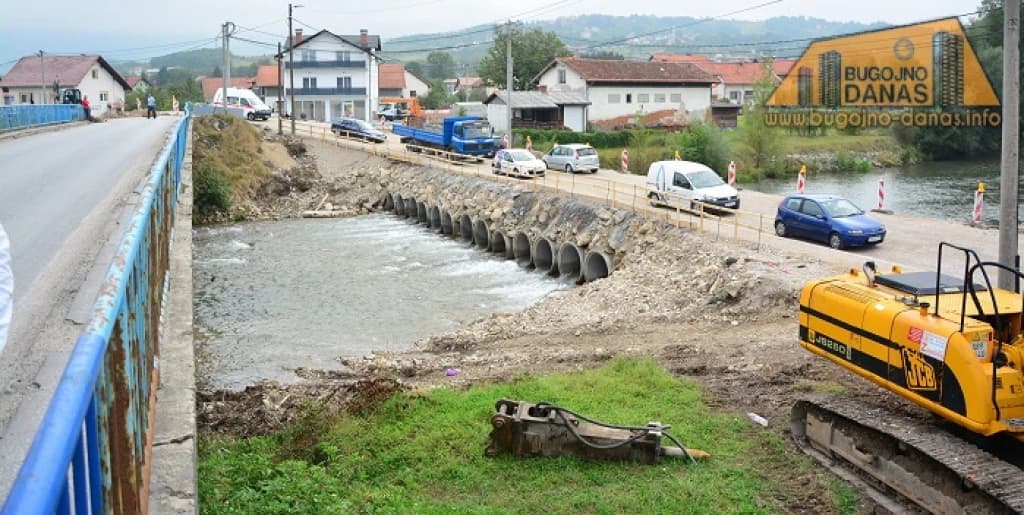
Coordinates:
121	27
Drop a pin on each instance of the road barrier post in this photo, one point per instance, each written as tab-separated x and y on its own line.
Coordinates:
881	194
732	174
979	203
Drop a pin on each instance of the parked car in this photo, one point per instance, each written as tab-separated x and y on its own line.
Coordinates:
353	128
572	158
688	183
827	218
517	161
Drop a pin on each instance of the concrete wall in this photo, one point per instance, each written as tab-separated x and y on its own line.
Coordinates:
695	99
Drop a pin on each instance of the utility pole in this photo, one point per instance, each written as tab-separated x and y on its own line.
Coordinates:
1009	177
280	88
291	68
509	86
225	74
42	80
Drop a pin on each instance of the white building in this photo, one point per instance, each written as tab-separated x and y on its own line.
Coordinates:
32	81
626	88
335	75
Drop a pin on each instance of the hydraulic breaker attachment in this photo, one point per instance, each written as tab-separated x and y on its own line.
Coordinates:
524	429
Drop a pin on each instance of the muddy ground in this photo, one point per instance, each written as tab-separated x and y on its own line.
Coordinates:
718	312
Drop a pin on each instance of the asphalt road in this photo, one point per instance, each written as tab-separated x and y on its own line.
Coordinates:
62	195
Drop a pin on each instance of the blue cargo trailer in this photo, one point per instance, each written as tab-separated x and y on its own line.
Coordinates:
466	135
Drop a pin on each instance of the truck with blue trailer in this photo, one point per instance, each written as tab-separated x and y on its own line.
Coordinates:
463	135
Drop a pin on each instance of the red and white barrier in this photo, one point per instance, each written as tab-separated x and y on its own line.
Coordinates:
625	161
979	203
732	174
529	144
801	180
505	141
881	194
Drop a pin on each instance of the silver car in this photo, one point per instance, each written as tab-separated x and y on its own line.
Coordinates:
572	158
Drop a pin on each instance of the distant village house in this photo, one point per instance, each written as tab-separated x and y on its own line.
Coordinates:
37	80
395	81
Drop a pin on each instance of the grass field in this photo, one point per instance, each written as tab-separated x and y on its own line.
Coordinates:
423	453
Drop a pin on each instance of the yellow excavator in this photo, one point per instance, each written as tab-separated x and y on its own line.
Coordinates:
953	346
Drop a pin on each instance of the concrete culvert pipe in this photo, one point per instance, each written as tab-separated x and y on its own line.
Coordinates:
446	223
389	202
570	261
434	217
466	228
499	242
597	265
522	249
481	234
399	205
410	208
544	257
421	213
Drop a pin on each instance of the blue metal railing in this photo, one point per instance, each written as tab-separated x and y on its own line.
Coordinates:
98	426
22	116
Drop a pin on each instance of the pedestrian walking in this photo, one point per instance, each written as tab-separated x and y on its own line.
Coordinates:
151	107
6	287
87	108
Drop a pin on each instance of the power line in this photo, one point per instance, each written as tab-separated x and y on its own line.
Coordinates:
489	26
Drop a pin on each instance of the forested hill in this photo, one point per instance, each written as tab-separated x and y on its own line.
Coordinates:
640	36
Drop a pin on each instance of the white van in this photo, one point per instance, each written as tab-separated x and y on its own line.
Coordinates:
245	99
684	183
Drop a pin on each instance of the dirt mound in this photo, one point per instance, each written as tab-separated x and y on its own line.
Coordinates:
665	119
267	407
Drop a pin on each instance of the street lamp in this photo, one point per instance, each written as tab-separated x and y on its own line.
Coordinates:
291	65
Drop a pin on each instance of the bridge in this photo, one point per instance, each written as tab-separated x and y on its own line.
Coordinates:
91	210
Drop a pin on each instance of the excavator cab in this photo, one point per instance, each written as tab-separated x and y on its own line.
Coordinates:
71	96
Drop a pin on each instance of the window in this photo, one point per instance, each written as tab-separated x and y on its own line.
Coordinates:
412	93
95	73
679	180
614	98
561	76
104	96
308	55
629	98
793	204
344	56
734	96
659	98
676	98
308	82
812	209
344	82
643	98
24	98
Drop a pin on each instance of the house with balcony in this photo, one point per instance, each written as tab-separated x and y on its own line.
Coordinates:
334	75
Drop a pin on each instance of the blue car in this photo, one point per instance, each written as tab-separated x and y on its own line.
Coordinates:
827	218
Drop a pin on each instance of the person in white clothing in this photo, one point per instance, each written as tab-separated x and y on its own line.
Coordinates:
6	287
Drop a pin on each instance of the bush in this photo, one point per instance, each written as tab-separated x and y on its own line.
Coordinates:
705	144
212	191
545	139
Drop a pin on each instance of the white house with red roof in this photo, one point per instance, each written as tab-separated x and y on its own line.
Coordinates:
734	81
32	81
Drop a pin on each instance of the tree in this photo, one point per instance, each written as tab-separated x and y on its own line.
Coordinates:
162	77
216	72
440	65
437	97
760	143
416	68
606	55
532	50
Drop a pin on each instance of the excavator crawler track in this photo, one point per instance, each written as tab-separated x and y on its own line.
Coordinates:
898	460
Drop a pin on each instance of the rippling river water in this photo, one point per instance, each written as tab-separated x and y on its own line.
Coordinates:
273	296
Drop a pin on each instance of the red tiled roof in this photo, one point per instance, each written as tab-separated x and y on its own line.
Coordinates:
68	69
599	70
212	84
391	76
782	66
132	80
679	58
266	76
470	82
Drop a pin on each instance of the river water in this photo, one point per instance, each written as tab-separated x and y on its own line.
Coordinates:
273	296
942	190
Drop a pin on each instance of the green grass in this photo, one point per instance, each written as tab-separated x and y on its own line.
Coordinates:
424	454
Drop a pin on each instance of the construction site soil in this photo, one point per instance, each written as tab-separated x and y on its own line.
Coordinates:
719	312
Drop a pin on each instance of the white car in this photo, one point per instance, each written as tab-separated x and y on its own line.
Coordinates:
686	182
517	161
573	158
